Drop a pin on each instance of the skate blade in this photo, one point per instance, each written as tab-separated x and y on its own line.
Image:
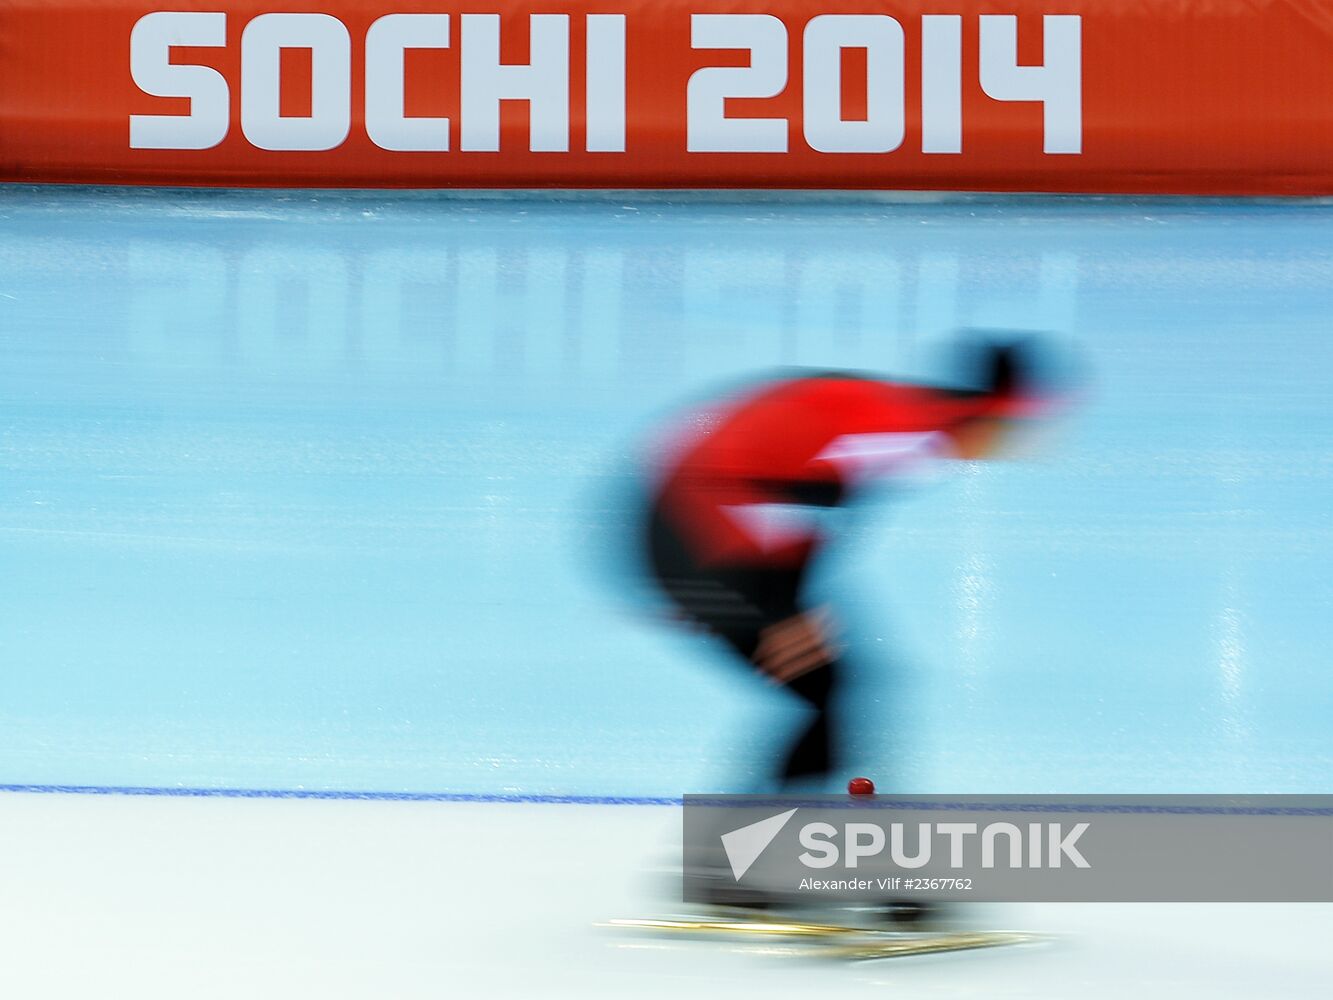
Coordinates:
753	928
873	944
928	944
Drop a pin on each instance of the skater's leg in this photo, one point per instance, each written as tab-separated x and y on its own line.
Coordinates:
814	752
759	615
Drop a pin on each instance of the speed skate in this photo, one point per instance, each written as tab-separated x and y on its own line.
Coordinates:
824	940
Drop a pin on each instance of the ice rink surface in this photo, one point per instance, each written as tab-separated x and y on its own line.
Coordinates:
325	491
153	899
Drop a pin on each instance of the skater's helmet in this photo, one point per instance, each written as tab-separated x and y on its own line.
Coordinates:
1015	377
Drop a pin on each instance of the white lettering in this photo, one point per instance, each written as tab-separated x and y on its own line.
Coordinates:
858	848
606	83
330	46
825	851
386	42
708	129
988	836
1065	846
882	38
1057	83
153	72
956	832
899	855
941	83
543	83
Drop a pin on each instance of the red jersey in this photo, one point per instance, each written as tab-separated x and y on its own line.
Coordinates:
746	488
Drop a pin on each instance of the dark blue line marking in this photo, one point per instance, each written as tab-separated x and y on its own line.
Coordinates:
877	802
315	793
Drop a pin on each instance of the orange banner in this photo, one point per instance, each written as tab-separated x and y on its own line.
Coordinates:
1153	96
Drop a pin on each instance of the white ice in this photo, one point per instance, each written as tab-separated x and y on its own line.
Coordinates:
148	897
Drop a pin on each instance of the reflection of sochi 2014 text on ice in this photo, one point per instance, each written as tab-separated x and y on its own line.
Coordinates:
542	313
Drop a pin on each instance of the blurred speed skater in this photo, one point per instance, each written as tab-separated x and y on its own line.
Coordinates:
735	518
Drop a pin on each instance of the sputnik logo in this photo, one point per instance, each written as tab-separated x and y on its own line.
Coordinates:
744	846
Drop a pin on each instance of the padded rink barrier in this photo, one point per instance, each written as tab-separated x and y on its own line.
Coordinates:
1228	97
